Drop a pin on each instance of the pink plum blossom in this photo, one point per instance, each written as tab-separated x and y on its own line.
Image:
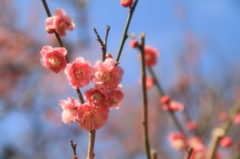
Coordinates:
78	73
151	55
116	97
70	109
191	125
236	119
91	118
198	154
168	104
223	116
126	3
59	22
134	43
226	142
177	141
97	97
195	143
149	82
54	58
106	75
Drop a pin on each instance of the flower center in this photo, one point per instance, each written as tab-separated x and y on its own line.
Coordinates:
148	57
63	25
97	97
106	76
179	143
54	61
79	73
91	117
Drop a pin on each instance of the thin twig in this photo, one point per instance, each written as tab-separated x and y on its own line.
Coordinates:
144	91
60	44
103	44
159	88
125	36
92	134
74	149
218	133
105	41
171	113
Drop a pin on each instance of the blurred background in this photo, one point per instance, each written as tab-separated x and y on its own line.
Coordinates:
198	65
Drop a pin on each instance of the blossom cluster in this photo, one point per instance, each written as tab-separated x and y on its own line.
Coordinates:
105	75
180	142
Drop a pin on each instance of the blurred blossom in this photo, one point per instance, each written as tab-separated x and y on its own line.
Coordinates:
191	125
177	141
168	104
149	82
223	116
226	142
236	119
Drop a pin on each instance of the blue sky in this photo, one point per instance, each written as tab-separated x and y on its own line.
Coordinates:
215	23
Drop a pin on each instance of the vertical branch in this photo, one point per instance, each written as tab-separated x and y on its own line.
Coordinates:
153	154
92	135
144	94
60	44
105	42
125	36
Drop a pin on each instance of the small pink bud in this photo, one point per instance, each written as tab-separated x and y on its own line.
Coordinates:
108	55
226	142
126	3
75	144
191	125
236	119
134	43
165	100
223	116
177	141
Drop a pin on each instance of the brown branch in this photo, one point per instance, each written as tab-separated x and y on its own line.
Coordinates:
91	154
125	36
144	94
74	149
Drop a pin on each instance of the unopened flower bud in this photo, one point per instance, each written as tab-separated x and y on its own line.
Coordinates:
165	100
126	3
108	55
134	43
